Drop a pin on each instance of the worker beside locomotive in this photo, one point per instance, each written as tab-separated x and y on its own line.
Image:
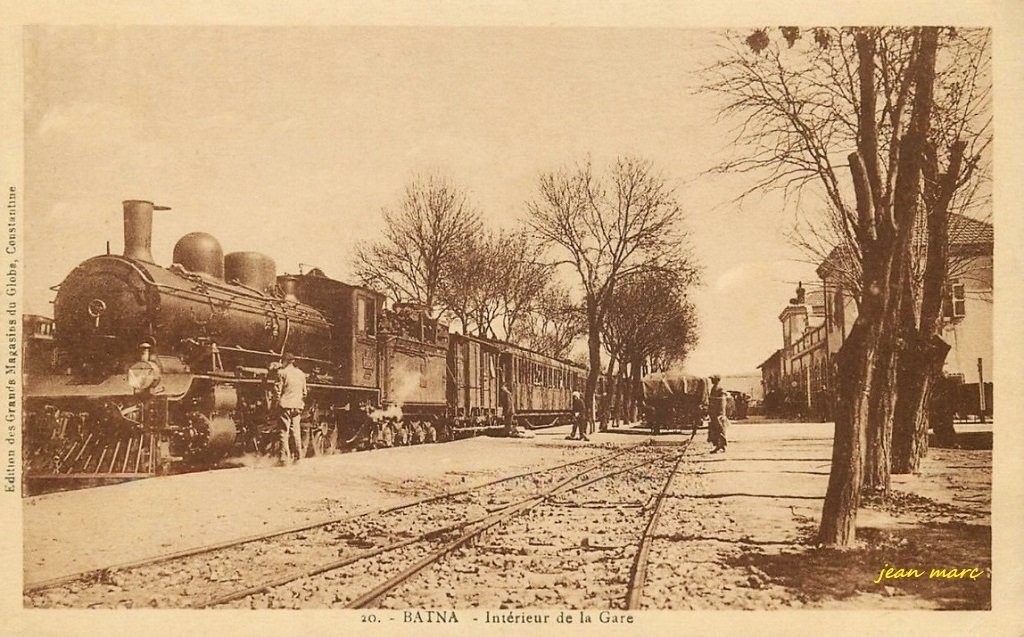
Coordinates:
160	367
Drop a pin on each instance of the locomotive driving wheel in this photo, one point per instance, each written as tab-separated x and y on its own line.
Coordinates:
387	435
402	434
323	438
429	433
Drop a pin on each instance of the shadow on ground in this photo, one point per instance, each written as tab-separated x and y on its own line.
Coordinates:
821	574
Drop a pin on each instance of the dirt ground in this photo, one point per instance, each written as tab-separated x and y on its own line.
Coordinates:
771	484
741	536
74	531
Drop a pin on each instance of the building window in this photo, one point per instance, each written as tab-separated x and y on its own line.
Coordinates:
364	316
839	310
958	302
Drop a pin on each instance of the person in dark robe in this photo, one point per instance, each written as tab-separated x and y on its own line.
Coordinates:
508	410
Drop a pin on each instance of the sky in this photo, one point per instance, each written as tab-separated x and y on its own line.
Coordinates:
289	141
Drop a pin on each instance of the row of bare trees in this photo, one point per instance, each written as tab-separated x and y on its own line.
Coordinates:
650	326
892	126
600	255
437	251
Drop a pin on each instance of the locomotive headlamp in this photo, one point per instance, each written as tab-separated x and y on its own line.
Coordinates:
143	375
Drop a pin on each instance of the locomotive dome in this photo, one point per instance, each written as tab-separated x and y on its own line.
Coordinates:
200	253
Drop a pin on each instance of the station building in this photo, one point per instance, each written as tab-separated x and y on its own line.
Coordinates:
798	377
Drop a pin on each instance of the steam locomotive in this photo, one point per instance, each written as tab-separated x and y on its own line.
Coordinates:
156	369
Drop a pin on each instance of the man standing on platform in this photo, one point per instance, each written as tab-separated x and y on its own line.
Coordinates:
579	418
291	400
717	401
508	410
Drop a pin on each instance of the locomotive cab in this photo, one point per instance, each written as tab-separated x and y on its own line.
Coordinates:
353	312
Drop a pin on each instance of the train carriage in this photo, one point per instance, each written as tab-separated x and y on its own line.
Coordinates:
474	380
541	387
413	357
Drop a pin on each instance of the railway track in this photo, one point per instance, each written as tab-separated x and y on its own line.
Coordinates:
183	576
373	558
572	485
638	574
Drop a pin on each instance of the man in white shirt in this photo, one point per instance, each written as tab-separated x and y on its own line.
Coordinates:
291	399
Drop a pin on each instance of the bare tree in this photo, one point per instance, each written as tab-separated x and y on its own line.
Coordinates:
650	324
604	229
523	280
422	236
493	281
803	108
553	324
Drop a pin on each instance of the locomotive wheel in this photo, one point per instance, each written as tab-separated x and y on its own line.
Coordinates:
401	434
324	439
387	435
444	432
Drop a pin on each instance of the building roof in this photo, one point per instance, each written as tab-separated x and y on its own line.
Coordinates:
771	359
965	230
965	233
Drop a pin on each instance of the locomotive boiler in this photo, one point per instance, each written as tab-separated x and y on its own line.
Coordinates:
162	367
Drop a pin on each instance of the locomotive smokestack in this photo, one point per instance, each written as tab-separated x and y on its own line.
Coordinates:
138	229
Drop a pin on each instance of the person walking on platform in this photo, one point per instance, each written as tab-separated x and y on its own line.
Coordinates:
579	418
717	401
291	400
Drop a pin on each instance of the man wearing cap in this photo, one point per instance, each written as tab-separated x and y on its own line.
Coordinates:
291	399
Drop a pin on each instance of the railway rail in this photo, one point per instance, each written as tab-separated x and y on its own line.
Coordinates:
356	529
573	570
638	574
373	558
376	594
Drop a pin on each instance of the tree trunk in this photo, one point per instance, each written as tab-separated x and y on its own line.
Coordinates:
920	366
636	373
896	239
877	454
628	402
884	388
611	392
926	351
856	361
594	348
941	415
